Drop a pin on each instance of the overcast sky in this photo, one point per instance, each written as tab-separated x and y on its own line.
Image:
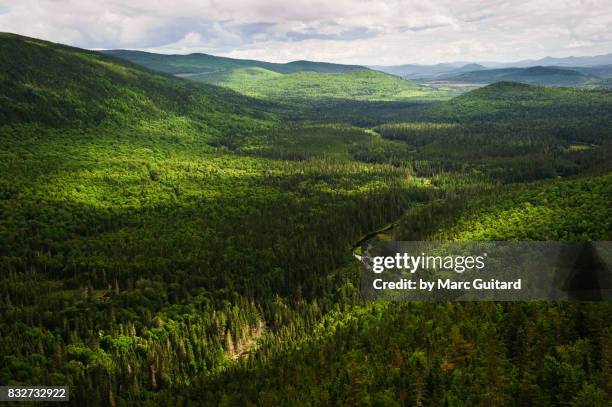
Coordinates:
346	31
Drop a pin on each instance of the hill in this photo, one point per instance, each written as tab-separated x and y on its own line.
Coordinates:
202	64
515	95
354	85
235	78
462	362
57	85
514	126
538	75
168	242
511	101
134	232
538	211
293	80
564	113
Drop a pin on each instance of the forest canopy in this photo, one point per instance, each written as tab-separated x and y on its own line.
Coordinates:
172	242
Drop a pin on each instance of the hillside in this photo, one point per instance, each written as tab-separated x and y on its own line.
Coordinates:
236	77
479	353
538	75
203	64
571	210
510	129
169	242
128	230
56	85
355	85
573	111
509	101
294	80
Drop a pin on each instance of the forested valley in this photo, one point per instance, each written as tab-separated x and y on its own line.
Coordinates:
170	242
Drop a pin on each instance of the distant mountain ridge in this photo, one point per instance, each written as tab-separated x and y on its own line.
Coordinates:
598	65
415	71
205	63
570	71
298	79
537	75
605	59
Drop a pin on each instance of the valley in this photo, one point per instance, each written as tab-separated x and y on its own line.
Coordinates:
189	240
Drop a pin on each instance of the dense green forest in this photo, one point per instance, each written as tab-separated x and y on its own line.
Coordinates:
297	83
204	63
536	75
171	242
353	85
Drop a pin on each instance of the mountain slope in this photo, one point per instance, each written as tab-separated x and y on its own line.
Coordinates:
355	85
507	119
235	76
57	85
399	340
106	178
538	75
511	100
208	64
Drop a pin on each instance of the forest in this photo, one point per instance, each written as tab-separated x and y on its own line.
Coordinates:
165	241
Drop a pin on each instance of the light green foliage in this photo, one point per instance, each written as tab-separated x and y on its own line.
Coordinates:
355	85
171	242
204	64
568	210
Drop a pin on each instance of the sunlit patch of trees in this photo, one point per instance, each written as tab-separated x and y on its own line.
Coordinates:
168	241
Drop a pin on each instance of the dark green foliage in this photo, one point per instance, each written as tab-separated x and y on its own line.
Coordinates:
296	82
569	210
536	75
430	354
169	242
317	86
203	64
55	85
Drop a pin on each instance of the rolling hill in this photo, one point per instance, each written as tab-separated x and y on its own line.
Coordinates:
298	79
512	100
354	85
236	77
202	64
56	85
571	210
108	177
537	75
169	242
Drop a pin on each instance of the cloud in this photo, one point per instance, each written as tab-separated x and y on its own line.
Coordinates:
349	31
346	35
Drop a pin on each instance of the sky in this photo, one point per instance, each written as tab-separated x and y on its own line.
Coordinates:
369	32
